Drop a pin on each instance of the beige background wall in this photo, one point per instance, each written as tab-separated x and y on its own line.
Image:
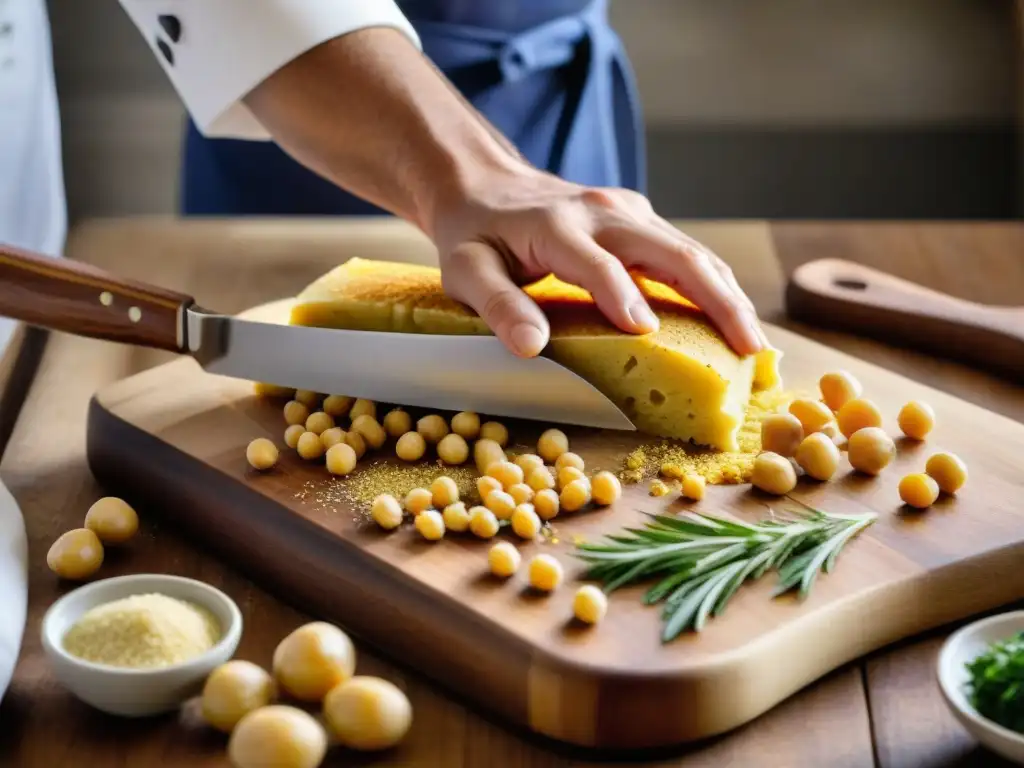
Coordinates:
730	89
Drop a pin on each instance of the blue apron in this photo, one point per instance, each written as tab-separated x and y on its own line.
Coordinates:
551	75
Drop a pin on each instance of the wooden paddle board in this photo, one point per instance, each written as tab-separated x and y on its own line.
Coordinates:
172	441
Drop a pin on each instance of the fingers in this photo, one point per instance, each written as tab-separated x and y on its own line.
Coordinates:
575	258
693	271
476	275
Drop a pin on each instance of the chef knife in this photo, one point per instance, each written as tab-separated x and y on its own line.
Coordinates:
452	373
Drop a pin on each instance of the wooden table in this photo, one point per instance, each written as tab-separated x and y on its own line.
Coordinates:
883	711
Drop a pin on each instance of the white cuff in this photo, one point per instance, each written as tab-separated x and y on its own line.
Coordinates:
216	51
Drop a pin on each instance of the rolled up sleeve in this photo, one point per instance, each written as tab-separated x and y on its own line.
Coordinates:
216	51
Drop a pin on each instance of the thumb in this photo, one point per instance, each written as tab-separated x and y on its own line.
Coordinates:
475	274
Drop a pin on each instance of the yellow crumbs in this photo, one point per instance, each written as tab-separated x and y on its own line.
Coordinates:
674	459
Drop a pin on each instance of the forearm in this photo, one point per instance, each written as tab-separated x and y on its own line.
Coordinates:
370	113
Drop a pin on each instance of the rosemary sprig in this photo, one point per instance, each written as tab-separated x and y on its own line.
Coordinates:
702	560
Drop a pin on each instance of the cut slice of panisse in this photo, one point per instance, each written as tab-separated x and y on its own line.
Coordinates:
682	381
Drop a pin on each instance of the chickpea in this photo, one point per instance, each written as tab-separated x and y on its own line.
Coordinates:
266	389
552	444
506	473
482	522
386	511
341	459
566	475
773	473
818	456
368	713
372	432
277	735
418	500
541	479
521	493
433	427
503	559
466	425
485	453
261	454
589	604
838	388
496	431
362	407
430	524
948	471
546	504
453	449
76	555
870	450
501	504
546	573
486	485
831	431
312	659
528	462
356	442
569	459
857	414
693	486
575	495
444	491
525	522
318	423
781	433
916	419
918	490
295	412
813	414
112	520
332	436
233	690
309	446
605	488
292	434
337	405
397	422
411	446
307	397
456	517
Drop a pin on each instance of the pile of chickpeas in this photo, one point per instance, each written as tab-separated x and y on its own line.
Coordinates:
807	439
265	712
520	492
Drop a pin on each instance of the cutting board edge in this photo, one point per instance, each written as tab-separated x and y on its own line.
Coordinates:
576	681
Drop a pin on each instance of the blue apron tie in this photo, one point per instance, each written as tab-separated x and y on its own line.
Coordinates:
562	91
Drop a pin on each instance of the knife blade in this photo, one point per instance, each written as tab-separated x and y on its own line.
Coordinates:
451	373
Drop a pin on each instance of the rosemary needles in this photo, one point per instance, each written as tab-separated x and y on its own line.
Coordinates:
702	560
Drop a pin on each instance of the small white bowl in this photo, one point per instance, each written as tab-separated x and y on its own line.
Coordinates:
961	647
138	692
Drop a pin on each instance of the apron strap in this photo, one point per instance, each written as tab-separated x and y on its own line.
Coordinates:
598	136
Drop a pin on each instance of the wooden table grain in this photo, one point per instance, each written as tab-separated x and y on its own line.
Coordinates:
882	711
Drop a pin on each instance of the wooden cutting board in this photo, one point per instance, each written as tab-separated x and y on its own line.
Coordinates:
172	441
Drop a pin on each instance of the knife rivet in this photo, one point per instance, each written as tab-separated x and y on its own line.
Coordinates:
106	298
135	314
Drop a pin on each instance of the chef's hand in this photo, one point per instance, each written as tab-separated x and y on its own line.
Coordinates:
518	226
371	113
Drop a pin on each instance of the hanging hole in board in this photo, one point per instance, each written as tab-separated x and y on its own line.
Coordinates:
850	284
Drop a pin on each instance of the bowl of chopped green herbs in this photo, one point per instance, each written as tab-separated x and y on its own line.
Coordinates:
981	676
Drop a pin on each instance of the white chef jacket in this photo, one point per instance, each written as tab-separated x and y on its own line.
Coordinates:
32	216
216	51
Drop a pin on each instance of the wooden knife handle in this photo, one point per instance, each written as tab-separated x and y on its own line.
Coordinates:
64	295
842	295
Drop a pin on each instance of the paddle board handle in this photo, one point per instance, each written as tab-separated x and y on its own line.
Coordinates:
845	296
60	294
